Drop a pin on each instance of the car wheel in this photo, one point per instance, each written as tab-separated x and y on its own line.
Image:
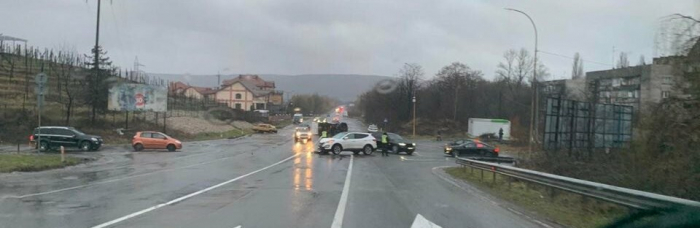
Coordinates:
367	150
138	147
395	149
44	146
85	146
171	147
336	149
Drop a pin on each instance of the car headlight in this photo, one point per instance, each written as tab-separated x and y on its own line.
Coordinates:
93	139
448	148
402	144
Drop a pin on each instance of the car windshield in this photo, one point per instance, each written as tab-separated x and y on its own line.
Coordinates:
394	136
492	109
77	131
339	135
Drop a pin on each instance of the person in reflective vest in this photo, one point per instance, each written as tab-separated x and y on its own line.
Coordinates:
324	134
385	144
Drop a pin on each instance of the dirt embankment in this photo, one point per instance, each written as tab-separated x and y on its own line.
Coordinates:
193	125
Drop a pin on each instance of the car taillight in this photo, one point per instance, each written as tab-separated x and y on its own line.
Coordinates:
497	150
31	138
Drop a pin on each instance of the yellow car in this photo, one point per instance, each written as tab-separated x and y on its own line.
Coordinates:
265	128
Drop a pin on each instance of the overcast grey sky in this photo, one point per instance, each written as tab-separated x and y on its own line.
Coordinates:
342	36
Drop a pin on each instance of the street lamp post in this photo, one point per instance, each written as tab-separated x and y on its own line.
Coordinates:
414	116
534	101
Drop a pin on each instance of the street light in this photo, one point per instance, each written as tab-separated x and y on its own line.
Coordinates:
414	116
534	101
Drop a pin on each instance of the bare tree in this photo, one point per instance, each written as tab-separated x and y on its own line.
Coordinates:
641	62
577	69
623	62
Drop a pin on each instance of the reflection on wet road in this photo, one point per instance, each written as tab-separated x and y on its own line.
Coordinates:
298	191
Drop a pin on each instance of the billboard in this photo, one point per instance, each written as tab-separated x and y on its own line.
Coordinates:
573	124
137	97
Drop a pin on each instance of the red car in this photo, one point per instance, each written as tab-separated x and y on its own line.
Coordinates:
154	140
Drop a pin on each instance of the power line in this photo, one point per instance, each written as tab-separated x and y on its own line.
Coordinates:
564	56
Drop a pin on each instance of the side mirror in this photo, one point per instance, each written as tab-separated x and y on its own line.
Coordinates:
345	138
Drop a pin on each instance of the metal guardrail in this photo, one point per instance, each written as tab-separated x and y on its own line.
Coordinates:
618	195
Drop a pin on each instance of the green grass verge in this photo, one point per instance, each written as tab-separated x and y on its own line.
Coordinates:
34	162
222	135
565	208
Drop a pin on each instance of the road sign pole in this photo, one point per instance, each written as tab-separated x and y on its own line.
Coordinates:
40	80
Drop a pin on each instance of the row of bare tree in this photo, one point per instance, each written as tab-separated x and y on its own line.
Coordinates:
455	94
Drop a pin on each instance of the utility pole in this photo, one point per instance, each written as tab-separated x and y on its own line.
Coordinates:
414	116
96	61
218	77
456	96
613	58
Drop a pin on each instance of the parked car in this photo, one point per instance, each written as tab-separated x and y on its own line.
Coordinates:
52	137
348	141
471	147
397	144
265	128
302	134
154	140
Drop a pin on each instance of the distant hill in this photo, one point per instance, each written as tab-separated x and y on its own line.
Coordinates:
345	87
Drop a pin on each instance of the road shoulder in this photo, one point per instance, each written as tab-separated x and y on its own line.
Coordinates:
487	197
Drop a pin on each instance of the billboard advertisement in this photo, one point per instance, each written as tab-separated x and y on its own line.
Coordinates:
138	97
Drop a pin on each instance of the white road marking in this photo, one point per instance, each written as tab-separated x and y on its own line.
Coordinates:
112	180
422	222
115	221
340	212
239	226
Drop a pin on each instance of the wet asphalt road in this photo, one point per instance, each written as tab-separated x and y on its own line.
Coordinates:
257	181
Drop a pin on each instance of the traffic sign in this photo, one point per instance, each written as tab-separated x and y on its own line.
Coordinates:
41	89
41	78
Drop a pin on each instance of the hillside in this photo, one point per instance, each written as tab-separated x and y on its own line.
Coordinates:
345	87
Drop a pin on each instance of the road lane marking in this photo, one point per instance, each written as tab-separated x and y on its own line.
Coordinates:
422	222
132	215
340	212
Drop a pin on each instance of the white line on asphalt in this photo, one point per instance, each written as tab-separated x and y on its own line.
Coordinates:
422	222
115	221
112	180
239	226
340	212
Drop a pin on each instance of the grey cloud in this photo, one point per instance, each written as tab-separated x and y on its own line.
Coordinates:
364	37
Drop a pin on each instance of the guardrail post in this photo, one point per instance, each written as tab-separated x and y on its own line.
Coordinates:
493	170
482	174
552	193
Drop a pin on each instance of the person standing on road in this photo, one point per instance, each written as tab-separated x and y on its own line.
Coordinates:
500	135
324	134
385	144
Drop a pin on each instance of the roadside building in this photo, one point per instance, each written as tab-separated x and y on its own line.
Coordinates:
636	86
249	92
